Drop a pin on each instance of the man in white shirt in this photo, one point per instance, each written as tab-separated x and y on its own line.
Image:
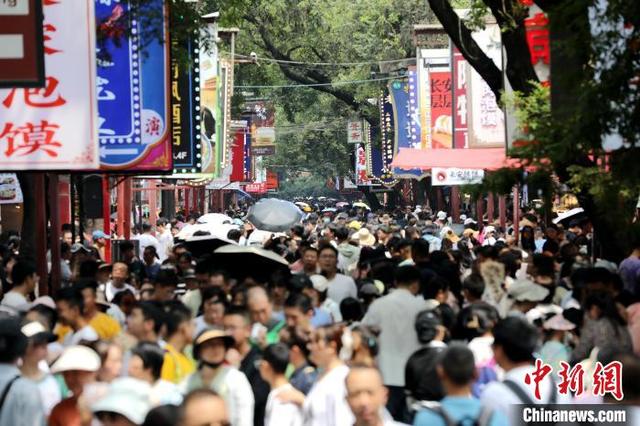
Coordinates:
395	315
118	282
25	280
275	360
367	397
70	307
515	340
146	239
340	286
165	239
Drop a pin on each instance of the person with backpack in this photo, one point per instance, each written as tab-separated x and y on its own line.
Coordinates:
457	372
515	340
20	402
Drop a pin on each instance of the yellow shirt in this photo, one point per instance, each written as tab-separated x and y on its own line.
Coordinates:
176	365
106	327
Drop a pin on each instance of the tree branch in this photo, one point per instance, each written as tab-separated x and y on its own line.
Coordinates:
461	37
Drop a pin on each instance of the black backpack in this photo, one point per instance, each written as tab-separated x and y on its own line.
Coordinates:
483	418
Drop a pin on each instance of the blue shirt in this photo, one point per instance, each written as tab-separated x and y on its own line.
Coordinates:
23	406
466	409
321	318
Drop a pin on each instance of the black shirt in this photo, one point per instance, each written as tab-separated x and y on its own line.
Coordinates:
260	388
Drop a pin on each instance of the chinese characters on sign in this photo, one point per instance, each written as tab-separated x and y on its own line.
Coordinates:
606	379
459	75
354	132
454	176
441	123
54	127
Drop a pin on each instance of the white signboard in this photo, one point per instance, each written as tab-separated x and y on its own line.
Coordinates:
10	192
354	132
54	127
453	176
14	7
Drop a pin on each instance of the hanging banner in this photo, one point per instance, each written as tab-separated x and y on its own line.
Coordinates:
459	110
486	120
362	178
430	61
54	127
21	44
263	133
399	94
414	114
10	191
209	125
133	84
454	176
441	98
273	181
239	127
185	139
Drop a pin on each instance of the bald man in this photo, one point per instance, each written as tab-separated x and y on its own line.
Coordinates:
367	397
118	282
266	325
203	407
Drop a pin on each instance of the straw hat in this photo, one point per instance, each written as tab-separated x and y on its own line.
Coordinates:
365	237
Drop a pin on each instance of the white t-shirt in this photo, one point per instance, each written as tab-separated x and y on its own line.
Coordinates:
341	287
333	308
15	302
163	393
147	240
110	290
85	333
165	240
279	413
49	392
326	403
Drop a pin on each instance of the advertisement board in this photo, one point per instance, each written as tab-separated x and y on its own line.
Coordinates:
454	176
54	127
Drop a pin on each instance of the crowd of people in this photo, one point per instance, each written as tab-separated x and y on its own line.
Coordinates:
381	319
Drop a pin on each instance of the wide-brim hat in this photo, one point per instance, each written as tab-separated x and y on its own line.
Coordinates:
77	358
558	322
212	334
527	291
364	237
128	397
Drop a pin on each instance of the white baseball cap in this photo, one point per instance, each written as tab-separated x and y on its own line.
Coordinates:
128	397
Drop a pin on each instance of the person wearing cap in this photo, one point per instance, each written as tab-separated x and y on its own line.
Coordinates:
340	286
25	279
70	306
36	353
364	237
126	403
22	404
392	313
151	263
145	364
179	328
522	296
210	349
429	234
79	367
275	360
558	332
317	291
118	282
100	242
384	234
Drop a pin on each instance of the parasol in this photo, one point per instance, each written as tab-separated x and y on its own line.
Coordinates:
274	215
242	261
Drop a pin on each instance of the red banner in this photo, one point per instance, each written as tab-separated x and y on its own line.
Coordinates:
237	156
460	131
441	109
272	180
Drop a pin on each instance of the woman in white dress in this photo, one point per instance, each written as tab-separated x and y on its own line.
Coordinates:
326	403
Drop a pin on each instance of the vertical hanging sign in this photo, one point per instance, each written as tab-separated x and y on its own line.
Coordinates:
54	127
133	86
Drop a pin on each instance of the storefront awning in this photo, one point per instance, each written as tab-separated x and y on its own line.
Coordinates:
485	158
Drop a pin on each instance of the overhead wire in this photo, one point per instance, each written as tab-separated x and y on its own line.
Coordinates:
335	83
329	64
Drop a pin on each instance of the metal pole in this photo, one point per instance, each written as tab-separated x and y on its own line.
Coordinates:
106	216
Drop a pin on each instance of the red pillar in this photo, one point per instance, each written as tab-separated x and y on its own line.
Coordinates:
124	208
64	199
201	195
186	202
106	216
490	208
153	201
455	203
480	212
502	211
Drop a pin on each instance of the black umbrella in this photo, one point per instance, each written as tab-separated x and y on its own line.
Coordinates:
205	244
274	215
247	261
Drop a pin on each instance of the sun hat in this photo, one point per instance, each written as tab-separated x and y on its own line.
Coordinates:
211	334
128	397
441	215
355	225
365	237
558	322
527	291
77	358
44	301
320	283
469	221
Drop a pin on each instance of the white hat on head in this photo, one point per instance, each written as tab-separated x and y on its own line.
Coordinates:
320	283
364	237
77	358
469	220
128	397
441	215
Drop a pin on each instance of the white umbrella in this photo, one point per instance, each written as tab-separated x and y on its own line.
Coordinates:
216	230
214	218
